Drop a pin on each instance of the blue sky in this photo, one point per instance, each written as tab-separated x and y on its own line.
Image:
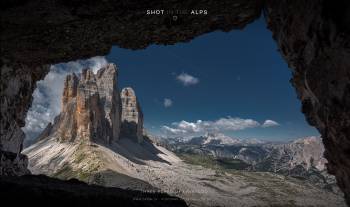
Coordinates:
235	83
239	74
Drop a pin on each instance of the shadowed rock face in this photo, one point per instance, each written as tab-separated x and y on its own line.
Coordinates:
40	189
313	37
90	116
80	29
17	85
13	164
109	96
132	117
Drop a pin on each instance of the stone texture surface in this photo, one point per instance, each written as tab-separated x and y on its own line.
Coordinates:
313	37
13	164
90	116
66	123
132	117
90	107
70	88
17	85
54	31
110	98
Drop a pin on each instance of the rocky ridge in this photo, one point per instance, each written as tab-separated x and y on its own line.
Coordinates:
92	110
302	158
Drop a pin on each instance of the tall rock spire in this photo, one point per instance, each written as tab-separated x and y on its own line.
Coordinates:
132	117
110	98
70	88
93	110
91	107
66	122
90	116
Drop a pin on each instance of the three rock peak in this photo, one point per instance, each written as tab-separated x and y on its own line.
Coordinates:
93	110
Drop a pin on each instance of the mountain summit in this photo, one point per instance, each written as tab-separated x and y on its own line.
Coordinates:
97	133
92	109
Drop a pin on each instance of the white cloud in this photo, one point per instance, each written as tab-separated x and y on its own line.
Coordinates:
189	127
234	124
185	128
187	79
269	123
173	131
167	103
48	94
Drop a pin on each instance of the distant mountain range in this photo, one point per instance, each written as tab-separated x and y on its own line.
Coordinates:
301	158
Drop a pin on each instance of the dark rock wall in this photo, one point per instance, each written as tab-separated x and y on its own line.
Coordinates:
132	116
55	31
40	190
316	46
17	86
313	37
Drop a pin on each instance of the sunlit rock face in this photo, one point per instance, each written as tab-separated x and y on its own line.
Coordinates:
132	117
90	108
70	88
67	124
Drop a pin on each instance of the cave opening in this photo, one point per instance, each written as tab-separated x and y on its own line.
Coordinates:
184	81
313	38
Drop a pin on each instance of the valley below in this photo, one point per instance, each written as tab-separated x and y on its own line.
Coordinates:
152	168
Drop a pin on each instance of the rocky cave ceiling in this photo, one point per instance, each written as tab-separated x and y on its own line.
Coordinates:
313	37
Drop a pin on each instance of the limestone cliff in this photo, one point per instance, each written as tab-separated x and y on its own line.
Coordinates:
110	98
93	110
132	117
90	108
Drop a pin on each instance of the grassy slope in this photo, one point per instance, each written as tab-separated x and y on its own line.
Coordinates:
212	162
269	186
84	166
